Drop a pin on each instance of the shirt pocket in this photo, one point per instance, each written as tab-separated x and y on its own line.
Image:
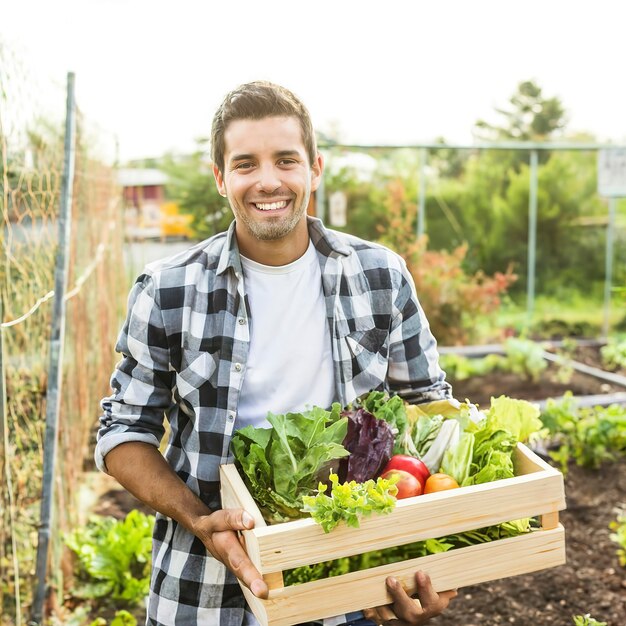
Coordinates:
368	351
197	370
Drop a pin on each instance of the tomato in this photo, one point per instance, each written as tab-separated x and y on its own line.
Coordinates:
408	464
408	486
440	482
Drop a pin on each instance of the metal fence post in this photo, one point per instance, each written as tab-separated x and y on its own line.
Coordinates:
421	214
532	237
608	271
55	368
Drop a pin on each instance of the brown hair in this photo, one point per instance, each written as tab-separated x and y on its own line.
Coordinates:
255	101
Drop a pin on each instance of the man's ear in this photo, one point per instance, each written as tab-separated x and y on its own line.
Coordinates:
317	169
219	180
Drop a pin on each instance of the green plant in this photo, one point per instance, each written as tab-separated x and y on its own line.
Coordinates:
587	620
589	436
122	618
113	557
525	357
614	354
521	356
453	299
619	536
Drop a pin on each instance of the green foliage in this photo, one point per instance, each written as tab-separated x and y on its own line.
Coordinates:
525	358
614	354
280	465
619	537
122	618
350	501
530	117
452	298
396	554
589	436
192	186
113	557
587	620
521	356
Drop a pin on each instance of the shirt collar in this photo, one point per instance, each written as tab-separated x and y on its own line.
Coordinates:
326	242
229	257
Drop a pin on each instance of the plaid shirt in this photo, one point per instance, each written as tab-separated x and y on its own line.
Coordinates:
184	347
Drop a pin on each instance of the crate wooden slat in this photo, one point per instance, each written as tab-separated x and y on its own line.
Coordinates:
536	490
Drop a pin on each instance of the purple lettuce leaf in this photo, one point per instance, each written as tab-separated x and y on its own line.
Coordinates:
370	443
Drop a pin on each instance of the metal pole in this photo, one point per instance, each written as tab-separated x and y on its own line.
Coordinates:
608	264
55	368
532	237
6	496
421	214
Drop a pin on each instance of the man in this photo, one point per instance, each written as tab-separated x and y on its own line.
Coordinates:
275	315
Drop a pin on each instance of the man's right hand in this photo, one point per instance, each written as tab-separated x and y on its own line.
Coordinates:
218	532
142	470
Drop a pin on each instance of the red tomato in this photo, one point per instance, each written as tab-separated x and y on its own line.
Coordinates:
440	482
407	484
408	464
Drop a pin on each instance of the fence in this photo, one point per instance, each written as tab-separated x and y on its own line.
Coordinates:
532	201
31	144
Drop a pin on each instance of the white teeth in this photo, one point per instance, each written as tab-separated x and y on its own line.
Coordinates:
272	206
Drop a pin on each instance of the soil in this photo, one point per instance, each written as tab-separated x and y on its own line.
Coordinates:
592	581
480	389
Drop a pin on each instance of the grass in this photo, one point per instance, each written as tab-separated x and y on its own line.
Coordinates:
582	314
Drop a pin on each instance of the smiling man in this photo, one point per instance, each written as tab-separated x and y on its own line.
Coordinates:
277	314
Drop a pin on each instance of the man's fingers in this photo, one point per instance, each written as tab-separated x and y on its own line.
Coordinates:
404	606
219	533
231	519
426	593
414	612
230	551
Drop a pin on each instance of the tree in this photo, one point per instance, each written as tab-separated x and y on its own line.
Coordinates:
192	186
531	117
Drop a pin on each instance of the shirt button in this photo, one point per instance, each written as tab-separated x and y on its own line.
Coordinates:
238	367
242	320
231	416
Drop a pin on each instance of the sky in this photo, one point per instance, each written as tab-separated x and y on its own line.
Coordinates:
152	73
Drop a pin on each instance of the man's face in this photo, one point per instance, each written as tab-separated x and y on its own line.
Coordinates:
267	177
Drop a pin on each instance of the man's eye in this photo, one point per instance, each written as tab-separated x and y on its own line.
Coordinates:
287	162
243	166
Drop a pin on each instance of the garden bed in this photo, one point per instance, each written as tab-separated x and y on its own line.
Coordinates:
592	581
553	382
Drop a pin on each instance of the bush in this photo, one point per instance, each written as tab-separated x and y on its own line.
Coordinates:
453	300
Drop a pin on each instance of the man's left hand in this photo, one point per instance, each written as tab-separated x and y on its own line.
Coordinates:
405	611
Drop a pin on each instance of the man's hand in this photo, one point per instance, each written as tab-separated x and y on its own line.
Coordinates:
404	611
218	532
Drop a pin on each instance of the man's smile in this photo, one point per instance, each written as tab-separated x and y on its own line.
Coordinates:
271	206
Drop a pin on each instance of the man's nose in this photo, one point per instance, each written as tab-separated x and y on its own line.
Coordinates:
268	179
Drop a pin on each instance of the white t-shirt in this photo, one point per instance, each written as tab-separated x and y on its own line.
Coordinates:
290	364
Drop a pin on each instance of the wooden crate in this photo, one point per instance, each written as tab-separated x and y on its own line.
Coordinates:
536	490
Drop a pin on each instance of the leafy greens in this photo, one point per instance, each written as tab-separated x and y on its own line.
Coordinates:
282	464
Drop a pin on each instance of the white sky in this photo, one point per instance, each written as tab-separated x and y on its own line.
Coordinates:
382	71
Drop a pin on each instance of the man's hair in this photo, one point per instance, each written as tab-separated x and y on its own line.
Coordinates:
255	101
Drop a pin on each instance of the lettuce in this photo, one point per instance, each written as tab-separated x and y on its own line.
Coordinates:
370	443
281	464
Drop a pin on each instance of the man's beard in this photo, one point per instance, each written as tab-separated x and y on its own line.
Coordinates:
272	229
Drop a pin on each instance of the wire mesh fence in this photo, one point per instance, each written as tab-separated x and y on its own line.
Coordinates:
31	145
